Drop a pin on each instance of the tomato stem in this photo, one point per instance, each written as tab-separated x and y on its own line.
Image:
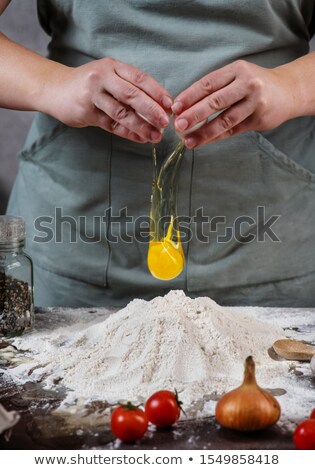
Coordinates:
179	402
130	406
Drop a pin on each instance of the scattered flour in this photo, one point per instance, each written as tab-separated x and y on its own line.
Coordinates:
193	345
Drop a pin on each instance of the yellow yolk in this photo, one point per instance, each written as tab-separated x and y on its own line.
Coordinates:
165	259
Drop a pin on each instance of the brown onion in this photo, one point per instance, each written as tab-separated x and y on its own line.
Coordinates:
248	407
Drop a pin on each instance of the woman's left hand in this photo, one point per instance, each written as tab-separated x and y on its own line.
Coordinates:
249	97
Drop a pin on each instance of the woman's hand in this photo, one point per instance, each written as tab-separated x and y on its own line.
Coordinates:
247	96
106	93
111	95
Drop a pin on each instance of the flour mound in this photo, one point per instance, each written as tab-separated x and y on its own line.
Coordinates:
193	345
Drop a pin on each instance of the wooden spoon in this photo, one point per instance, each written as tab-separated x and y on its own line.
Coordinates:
293	350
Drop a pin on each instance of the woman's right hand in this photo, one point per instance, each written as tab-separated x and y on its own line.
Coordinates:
111	95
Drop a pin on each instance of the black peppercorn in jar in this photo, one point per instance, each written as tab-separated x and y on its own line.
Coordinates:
16	278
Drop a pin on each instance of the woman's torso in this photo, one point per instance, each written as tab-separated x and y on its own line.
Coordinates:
91	172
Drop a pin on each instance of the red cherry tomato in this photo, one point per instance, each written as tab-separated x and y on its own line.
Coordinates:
128	423
313	414
304	435
163	408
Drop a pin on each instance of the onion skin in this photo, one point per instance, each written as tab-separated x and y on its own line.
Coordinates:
248	407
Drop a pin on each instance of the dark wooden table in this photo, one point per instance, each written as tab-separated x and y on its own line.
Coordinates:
42	427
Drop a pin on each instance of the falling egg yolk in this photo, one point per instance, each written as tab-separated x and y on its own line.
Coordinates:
165	259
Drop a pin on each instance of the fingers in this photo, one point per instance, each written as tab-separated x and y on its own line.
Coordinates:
125	115
141	92
129	94
240	97
105	122
226	124
145	83
244	126
126	95
204	87
211	104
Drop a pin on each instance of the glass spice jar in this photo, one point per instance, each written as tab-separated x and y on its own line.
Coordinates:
16	279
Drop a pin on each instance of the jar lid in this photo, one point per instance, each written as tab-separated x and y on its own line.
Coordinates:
12	230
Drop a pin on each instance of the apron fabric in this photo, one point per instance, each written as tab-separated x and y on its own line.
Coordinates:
89	172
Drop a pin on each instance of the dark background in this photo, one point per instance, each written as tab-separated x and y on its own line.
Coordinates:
20	23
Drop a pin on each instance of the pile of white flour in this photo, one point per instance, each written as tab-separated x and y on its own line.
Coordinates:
193	345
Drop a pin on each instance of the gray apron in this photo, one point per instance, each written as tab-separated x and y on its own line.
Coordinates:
86	172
